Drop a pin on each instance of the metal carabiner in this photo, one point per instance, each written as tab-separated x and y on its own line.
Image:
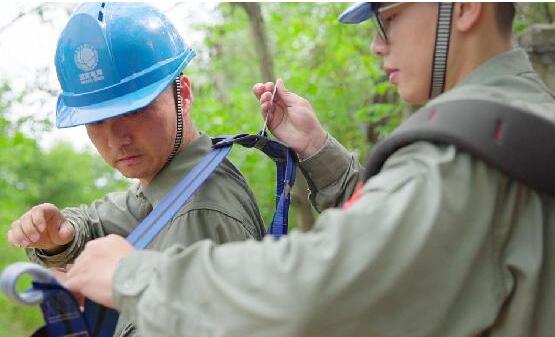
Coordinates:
10	276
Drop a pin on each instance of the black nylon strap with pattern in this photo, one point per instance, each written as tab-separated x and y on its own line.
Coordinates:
516	142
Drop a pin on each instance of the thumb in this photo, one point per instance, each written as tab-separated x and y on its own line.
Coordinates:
283	93
65	233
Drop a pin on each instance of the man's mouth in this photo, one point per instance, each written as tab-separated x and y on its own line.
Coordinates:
129	160
393	74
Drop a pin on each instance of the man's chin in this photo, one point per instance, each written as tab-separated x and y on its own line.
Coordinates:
130	173
412	97
130	176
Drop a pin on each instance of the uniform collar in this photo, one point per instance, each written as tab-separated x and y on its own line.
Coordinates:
175	170
511	63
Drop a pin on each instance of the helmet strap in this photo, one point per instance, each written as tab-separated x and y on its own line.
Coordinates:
179	108
441	48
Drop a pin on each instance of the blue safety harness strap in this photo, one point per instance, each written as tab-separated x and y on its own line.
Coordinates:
101	320
61	311
63	316
285	160
156	220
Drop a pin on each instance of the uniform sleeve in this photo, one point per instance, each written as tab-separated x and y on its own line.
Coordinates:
332	174
409	257
109	215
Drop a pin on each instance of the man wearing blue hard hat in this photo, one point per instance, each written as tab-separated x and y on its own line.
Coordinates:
445	238
120	68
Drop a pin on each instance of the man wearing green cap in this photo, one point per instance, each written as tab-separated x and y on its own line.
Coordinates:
120	67
438	243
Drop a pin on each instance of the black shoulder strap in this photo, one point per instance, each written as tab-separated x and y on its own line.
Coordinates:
516	142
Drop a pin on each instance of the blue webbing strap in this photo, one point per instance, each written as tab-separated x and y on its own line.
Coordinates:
147	230
61	312
63	316
286	178
285	159
101	320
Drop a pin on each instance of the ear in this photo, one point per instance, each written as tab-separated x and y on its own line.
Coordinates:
186	93
186	89
466	15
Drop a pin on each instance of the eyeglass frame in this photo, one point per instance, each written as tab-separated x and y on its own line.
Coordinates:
381	30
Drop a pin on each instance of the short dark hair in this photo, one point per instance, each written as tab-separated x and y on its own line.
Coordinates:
504	17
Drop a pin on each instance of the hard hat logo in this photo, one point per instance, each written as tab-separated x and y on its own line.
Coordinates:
86	59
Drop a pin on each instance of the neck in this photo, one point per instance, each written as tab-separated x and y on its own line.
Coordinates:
144	182
470	54
189	135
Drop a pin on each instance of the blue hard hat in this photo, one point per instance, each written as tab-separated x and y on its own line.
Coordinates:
357	13
114	58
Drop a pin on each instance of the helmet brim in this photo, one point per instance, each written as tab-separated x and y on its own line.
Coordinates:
69	116
357	13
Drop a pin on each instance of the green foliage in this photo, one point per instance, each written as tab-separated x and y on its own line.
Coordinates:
533	13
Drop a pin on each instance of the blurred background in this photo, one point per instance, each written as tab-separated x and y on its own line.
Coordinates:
238	44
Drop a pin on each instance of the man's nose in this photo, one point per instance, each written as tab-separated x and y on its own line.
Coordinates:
379	46
118	132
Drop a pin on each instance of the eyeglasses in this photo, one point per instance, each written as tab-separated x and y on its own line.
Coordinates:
384	15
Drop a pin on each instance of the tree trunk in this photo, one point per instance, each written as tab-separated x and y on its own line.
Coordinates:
260	37
299	194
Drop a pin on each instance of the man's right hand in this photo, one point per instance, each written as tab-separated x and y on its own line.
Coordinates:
291	118
43	227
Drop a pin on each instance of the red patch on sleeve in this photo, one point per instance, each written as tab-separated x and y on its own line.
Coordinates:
354	198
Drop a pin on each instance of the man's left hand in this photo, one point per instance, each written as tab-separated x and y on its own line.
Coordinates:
93	270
